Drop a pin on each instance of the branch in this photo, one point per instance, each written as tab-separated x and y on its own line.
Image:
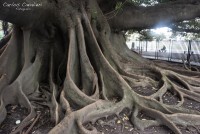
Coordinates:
20	12
135	17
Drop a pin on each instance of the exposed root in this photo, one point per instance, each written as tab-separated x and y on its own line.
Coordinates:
70	87
32	125
87	80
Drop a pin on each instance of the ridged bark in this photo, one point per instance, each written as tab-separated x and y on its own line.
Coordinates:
82	71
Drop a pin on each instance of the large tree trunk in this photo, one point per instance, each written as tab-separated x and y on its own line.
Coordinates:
82	71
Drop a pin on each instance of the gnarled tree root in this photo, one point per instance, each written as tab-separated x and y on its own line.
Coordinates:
92	80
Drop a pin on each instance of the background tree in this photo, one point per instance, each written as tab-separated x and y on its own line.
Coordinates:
1	31
5	27
188	29
145	35
70	55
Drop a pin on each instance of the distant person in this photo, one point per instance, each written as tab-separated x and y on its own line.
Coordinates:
5	27
163	49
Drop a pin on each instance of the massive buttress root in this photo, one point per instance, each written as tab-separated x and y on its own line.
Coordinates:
78	68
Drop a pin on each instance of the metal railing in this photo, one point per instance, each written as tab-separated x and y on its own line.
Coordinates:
169	50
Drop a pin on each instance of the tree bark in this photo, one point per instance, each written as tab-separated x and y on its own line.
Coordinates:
135	17
81	70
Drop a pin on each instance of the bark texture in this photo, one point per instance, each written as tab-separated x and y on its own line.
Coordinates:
73	63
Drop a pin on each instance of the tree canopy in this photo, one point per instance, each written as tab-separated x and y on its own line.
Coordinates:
133	14
126	14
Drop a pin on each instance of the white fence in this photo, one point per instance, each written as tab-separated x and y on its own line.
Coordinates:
168	50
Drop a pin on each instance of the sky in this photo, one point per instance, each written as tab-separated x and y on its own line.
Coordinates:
164	30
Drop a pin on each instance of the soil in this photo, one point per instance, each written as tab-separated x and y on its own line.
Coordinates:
111	125
16	113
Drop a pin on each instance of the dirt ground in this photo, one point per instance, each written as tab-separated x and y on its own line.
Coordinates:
18	113
109	125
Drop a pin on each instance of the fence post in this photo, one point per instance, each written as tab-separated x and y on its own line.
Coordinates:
146	45
189	53
156	49
156	54
139	46
171	50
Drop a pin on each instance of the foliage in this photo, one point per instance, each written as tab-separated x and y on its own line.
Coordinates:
189	24
118	5
145	35
148	2
189	29
158	37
